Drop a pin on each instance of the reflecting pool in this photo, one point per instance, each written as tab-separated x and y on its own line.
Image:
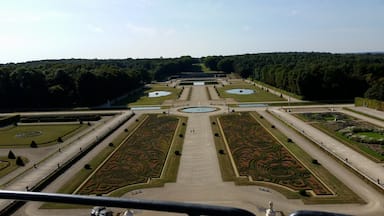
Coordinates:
240	91
158	93
198	109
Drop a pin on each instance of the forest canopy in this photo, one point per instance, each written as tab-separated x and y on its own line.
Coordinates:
315	76
71	83
80	82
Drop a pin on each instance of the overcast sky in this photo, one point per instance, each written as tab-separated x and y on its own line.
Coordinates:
53	29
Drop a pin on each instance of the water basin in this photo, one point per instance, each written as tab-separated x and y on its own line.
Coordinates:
146	108
253	105
240	91
158	94
198	109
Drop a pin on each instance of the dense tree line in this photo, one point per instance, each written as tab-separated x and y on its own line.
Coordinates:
80	82
315	76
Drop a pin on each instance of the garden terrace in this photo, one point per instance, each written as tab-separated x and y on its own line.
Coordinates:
258	155
24	135
138	159
362	136
141	97
259	94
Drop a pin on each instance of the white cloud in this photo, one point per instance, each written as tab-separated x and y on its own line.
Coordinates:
95	29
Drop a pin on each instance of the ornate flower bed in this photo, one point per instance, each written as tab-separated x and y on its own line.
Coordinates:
367	137
258	155
141	157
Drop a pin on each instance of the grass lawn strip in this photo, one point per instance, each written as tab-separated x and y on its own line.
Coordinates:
109	155
230	155
8	165
43	135
141	97
150	147
278	90
226	166
258	96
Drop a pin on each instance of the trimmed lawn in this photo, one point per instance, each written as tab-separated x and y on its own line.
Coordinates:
23	135
279	90
141	98
8	165
259	95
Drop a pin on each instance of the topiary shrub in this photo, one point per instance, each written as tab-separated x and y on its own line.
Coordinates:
314	161
111	144
303	192
126	130
221	151
183	123
289	140
60	140
217	135
19	161
273	126
177	152
181	135
11	155
87	166
213	123
33	144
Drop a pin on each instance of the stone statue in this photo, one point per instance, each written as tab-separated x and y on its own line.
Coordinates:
270	211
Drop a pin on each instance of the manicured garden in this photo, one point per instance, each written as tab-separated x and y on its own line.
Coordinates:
41	135
141	98
259	95
258	155
360	135
10	163
141	157
260	151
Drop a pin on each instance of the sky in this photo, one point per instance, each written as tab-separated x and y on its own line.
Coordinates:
106	29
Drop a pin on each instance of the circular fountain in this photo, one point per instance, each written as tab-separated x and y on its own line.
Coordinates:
202	109
240	91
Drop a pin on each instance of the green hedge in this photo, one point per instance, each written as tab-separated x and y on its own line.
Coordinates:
62	118
374	104
8	120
